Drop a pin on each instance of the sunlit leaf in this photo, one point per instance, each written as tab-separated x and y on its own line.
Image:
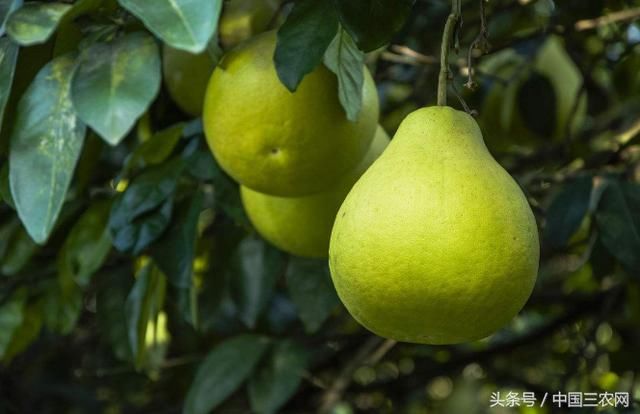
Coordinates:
143	304
183	24
6	8
115	83
8	59
35	22
345	60
45	145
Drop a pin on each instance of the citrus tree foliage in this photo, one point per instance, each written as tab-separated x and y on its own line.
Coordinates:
132	281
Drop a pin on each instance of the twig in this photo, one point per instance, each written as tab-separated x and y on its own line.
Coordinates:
481	43
332	396
381	351
407	51
449	29
619	16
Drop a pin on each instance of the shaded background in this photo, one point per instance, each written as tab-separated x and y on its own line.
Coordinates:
85	327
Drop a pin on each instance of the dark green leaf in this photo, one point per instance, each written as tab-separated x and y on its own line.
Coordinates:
5	189
11	317
617	227
183	24
567	211
62	307
157	149
8	59
535	93
45	145
26	333
142	213
17	248
226	367
111	296
87	245
372	23
254	271
115	83
175	251
311	290
143	304
345	60
302	40
277	377
35	22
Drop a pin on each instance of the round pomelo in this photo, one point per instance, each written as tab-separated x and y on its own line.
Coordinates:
302	225
277	142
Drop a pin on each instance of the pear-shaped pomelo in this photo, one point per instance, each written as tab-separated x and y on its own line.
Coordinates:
302	225
435	243
277	142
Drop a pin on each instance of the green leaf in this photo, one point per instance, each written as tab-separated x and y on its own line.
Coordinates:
62	307
226	367
156	149
115	83
278	377
16	248
8	59
618	223
5	190
45	145
143	304
142	213
11	317
6	8
345	60
183	24
26	333
537	92
35	22
311	290
175	251
254	271
111	317
372	24
302	40
87	245
567	211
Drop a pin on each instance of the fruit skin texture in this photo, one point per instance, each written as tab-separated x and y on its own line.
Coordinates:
186	76
277	142
435	243
302	225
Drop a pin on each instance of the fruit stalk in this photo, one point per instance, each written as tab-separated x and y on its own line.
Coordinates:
449	29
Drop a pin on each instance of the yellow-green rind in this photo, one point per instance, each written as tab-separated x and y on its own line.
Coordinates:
302	225
277	142
435	243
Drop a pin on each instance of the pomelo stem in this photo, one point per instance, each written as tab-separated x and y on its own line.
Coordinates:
449	29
